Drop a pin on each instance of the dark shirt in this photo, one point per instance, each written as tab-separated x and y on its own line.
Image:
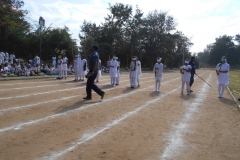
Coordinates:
93	59
192	64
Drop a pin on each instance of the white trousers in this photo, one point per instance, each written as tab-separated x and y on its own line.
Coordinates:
76	75
158	85
221	89
133	81
113	80
64	73
60	73
82	77
118	80
187	84
138	80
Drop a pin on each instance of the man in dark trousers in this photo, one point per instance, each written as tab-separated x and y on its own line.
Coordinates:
192	64
92	74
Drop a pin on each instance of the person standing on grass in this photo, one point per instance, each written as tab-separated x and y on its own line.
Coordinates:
186	74
193	71
222	70
92	74
158	69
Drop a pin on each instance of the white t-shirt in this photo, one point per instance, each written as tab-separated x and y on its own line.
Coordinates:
223	77
158	68
138	68
186	75
37	60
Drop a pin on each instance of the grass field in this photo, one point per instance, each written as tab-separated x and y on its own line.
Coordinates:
234	86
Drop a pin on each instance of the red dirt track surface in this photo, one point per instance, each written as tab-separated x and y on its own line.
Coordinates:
48	119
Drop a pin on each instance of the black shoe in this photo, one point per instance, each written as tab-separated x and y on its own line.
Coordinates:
65	77
102	95
96	81
238	99
87	98
117	84
191	91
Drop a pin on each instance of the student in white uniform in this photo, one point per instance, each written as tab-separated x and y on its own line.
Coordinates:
139	72
99	70
222	70
76	67
1	58
60	67
113	71
186	74
37	61
118	72
133	72
158	69
12	57
82	69
65	68
54	61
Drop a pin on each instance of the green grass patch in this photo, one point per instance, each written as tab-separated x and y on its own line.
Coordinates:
234	86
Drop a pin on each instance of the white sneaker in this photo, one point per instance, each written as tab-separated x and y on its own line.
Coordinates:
155	90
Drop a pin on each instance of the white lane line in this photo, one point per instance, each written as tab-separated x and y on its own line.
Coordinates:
49	81
19	126
61	90
175	138
50	85
54	100
88	136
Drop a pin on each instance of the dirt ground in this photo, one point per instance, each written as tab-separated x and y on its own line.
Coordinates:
48	119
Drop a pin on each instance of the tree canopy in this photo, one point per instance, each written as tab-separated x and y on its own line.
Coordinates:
126	33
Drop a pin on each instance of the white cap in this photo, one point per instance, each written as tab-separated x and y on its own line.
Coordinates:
114	57
159	59
134	58
186	61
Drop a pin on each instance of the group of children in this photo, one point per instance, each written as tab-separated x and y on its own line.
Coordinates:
9	67
114	72
79	68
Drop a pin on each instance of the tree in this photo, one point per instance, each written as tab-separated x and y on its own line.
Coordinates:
13	26
220	49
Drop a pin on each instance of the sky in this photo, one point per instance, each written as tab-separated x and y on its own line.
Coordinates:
201	20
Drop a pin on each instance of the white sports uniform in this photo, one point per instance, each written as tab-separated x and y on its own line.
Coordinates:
222	79
139	72
158	69
99	70
37	60
60	68
133	73
113	71
118	73
186	77
76	68
54	61
12	56
65	68
82	68
1	58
